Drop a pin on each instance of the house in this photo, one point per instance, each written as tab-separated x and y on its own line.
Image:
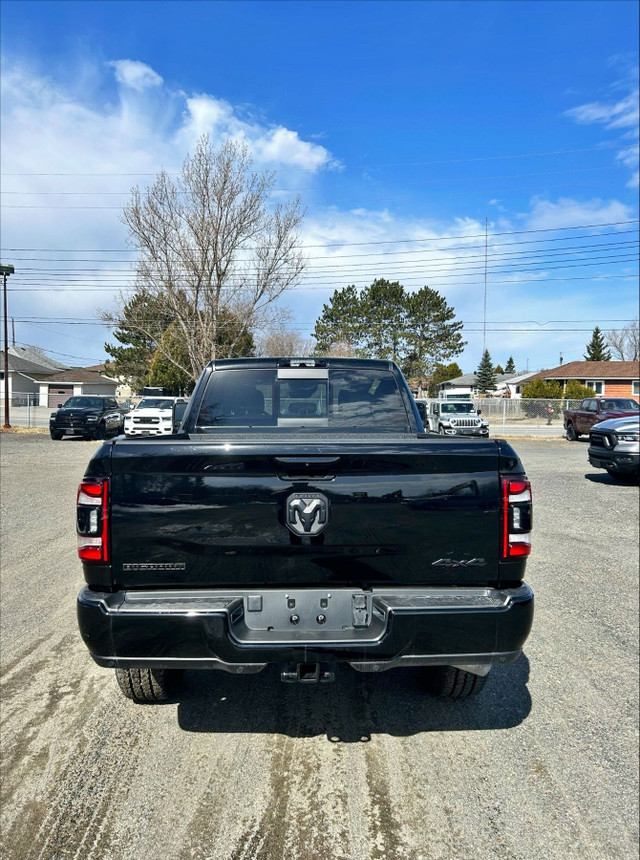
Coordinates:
55	388
23	367
607	378
507	385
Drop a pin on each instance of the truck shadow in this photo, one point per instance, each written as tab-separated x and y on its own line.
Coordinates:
602	477
352	709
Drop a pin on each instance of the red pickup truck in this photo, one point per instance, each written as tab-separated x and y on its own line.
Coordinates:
592	410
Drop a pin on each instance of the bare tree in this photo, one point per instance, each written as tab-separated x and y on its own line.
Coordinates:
279	340
212	251
624	342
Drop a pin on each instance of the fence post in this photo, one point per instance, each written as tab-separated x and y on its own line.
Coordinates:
28	410
504	413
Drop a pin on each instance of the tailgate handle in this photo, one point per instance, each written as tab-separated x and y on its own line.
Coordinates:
316	467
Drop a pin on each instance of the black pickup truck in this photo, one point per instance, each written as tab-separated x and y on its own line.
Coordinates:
89	416
302	516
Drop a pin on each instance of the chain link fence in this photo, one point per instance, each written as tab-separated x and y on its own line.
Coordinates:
505	411
26	411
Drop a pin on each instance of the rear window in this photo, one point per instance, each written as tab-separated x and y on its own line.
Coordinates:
338	399
155	403
84	403
619	404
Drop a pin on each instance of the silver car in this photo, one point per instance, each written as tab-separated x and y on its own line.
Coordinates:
614	446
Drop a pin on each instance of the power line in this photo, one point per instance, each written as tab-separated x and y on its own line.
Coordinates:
439	181
367	244
332	285
520	255
361	166
463	265
332	257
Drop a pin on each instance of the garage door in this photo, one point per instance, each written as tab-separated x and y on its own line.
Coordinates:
58	394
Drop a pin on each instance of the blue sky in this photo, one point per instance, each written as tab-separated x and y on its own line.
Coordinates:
401	125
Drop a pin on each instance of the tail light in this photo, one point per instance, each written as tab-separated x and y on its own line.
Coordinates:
92	520
516	517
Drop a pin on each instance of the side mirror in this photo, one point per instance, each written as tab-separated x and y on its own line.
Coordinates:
478	411
59	405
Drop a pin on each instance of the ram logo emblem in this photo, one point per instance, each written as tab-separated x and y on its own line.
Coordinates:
307	513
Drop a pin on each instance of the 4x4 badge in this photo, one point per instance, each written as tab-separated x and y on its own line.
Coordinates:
307	513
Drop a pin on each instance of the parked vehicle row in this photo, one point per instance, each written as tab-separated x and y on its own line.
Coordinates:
101	417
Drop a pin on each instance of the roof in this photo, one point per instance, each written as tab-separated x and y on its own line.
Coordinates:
36	356
592	370
23	365
472	378
73	374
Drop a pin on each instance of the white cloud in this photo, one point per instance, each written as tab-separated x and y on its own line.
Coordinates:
619	114
565	212
138	76
616	114
269	145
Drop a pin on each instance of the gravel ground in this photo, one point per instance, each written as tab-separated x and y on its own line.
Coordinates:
542	764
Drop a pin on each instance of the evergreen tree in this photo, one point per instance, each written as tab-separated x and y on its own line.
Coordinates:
597	347
511	365
384	321
485	374
442	373
498	368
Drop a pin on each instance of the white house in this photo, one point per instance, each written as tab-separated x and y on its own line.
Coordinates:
507	385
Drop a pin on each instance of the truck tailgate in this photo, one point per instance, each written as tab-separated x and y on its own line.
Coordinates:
197	513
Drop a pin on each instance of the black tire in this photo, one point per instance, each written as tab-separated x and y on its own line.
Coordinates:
148	685
572	436
55	434
101	433
441	430
451	683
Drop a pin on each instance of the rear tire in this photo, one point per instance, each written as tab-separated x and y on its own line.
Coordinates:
148	685
451	683
572	436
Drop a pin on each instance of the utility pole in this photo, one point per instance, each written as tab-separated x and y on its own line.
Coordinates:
5	271
484	316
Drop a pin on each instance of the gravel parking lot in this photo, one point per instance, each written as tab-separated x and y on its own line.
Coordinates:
542	764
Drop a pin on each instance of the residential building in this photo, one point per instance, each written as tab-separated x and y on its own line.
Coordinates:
606	378
507	385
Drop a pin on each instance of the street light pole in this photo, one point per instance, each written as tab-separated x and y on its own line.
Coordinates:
5	271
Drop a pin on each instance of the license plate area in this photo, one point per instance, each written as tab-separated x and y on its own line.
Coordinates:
309	615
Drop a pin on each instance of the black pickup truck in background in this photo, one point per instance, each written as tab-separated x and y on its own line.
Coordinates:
89	416
303	517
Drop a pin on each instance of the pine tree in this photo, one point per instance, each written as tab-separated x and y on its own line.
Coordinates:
597	347
485	374
511	365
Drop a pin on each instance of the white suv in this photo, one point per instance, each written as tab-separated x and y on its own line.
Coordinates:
153	416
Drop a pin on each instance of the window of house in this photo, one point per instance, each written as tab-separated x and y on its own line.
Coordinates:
596	384
635	387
